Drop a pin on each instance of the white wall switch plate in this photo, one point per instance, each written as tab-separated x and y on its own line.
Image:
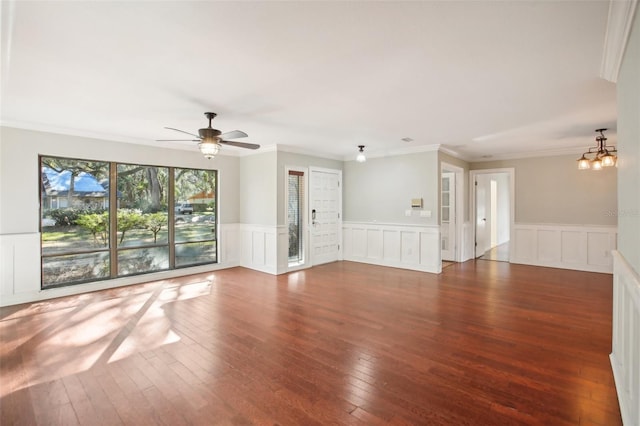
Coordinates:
425	213
407	212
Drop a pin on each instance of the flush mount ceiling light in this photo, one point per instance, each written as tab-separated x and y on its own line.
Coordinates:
361	157
599	156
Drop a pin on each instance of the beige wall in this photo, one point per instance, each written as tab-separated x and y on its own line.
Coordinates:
19	183
553	190
629	150
381	189
258	189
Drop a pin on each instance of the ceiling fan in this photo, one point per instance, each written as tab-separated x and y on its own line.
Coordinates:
211	139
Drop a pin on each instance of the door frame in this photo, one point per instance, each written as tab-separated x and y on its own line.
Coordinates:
512	209
312	261
459	206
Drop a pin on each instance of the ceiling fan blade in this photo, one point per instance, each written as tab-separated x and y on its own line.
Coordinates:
182	131
234	134
241	144
178	140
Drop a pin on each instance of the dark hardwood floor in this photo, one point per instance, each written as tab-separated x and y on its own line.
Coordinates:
484	343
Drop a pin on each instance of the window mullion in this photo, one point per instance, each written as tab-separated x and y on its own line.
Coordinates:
171	226
113	219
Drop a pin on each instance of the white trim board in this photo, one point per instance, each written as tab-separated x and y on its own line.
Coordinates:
460	206
619	24
625	346
512	202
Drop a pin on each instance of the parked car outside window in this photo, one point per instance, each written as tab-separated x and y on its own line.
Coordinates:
184	208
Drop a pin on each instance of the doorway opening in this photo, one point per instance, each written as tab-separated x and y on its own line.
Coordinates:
493	207
451	213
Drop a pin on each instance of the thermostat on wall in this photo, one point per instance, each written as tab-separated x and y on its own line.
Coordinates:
416	202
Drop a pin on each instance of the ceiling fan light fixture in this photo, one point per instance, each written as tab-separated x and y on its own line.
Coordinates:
209	148
210	140
361	158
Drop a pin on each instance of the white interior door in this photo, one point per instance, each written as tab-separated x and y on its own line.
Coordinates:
482	228
448	216
325	215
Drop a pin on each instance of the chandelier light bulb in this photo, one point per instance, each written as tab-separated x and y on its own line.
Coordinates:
608	160
583	163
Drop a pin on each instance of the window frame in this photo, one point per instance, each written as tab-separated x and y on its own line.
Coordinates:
113	248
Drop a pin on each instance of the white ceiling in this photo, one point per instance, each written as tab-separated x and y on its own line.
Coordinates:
500	78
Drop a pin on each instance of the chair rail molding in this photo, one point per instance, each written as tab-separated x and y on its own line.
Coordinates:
415	247
619	24
625	346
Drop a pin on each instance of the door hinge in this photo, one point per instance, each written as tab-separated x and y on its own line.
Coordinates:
476	183
476	244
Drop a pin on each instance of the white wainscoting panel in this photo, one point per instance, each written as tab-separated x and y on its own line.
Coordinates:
583	248
259	247
283	250
625	347
391	246
229	244
20	280
19	264
415	247
468	242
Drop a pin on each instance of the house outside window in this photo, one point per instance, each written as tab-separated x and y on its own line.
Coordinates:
86	238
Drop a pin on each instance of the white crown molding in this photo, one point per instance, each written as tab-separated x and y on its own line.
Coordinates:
454	154
394	152
529	154
290	149
303	151
617	34
72	132
109	137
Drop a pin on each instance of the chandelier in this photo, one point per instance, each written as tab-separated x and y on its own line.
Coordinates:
599	156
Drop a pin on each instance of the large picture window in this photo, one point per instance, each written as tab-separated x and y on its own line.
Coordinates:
151	219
